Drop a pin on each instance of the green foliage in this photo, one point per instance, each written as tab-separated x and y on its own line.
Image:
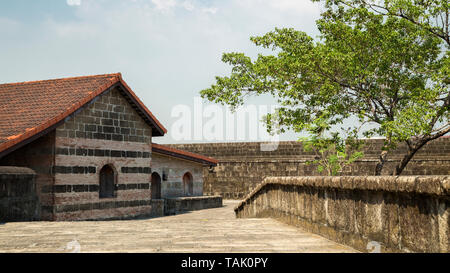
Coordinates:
332	153
389	69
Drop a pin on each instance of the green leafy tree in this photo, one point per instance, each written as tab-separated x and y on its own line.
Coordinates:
430	15
332	153
386	70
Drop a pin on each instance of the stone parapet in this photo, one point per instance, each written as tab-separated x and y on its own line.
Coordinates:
183	204
386	213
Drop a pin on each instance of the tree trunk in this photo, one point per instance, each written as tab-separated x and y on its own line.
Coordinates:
405	160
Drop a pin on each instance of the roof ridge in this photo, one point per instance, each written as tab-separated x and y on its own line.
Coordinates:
118	74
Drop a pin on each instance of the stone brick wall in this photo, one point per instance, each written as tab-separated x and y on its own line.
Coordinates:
18	197
174	170
244	165
385	213
106	132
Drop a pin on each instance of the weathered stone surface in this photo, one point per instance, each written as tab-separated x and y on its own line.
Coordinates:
402	214
157	207
18	197
211	230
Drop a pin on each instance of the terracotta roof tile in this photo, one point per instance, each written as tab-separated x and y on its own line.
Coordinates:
28	108
161	149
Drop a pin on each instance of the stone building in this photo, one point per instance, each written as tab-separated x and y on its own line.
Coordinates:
89	141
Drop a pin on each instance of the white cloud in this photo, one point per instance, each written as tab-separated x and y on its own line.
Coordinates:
164	5
292	6
296	5
188	5
209	10
73	2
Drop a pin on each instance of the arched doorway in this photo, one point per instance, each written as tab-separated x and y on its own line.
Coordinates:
188	184
156	186
107	181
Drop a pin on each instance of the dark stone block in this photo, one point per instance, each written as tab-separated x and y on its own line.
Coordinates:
117	137
81	152
118	109
80	188
99	136
99	152
87	206
78	169
93	188
114	115
62	151
80	134
132	154
62	169
125	131
108	129
131	186
108	121
90	128
115	153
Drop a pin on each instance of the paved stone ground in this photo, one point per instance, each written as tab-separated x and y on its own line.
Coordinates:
211	230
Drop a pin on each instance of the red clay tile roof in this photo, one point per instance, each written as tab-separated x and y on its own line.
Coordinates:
161	149
29	108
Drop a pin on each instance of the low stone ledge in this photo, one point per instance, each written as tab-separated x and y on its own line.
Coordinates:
174	205
16	170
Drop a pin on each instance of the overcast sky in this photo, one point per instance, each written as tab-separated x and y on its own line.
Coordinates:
166	50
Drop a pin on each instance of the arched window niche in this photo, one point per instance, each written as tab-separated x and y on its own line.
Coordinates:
107	182
156	186
188	184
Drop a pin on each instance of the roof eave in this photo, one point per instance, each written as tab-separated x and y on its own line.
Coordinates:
159	149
